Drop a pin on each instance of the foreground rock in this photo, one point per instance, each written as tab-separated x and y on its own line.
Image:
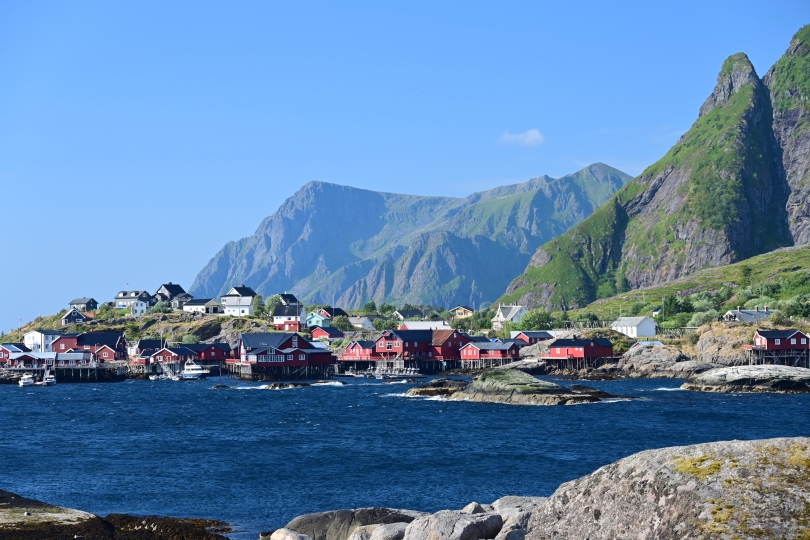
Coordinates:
518	388
28	519
340	524
733	489
781	379
437	387
448	524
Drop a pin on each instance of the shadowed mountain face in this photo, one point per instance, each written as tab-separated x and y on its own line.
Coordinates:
734	186
330	243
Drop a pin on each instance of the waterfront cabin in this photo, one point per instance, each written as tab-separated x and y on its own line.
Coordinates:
490	354
172	355
7	349
530	337
93	342
581	348
210	353
279	355
359	351
772	340
446	345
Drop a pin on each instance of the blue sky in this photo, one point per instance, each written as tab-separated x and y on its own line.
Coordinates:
136	138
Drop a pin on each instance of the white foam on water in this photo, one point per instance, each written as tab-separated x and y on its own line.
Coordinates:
330	383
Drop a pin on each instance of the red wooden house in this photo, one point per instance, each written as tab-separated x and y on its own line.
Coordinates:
327	332
406	344
480	350
447	344
280	349
173	355
7	349
95	343
358	351
210	353
781	340
581	348
530	337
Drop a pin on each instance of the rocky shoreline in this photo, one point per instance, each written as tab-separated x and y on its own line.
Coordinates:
752	379
718	490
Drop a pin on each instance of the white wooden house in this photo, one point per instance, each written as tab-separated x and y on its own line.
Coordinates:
635	327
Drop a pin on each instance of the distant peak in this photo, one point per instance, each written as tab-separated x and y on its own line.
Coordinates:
737	72
800	44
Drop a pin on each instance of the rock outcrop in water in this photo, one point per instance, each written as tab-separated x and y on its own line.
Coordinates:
510	386
340	524
756	379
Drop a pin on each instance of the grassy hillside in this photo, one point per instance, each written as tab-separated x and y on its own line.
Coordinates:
775	279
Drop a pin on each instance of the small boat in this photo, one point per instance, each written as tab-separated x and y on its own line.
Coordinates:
49	380
154	377
193	371
26	380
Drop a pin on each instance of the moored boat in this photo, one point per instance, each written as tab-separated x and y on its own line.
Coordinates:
26	380
193	371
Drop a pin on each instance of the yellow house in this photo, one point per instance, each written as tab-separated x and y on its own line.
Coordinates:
462	312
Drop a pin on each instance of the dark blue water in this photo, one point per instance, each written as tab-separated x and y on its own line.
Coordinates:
257	458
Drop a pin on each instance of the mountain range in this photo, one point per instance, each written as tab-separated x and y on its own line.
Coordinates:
734	186
345	246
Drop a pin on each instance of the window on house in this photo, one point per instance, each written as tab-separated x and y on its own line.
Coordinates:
62	346
557	350
804	341
388	346
778	341
793	341
105	355
87	347
302	357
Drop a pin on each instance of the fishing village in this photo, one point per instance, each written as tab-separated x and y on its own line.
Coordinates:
243	336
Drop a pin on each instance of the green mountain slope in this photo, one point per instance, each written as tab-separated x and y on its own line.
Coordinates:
339	244
731	188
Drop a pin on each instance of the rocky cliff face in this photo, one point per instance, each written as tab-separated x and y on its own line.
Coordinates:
330	243
734	186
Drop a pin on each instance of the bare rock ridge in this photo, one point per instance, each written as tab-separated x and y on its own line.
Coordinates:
734	186
331	243
719	490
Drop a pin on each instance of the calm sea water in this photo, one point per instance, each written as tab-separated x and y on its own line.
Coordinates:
257	458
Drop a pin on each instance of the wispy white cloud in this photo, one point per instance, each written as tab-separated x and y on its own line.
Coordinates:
531	137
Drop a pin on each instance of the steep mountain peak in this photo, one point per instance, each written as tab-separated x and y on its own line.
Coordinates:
800	44
737	73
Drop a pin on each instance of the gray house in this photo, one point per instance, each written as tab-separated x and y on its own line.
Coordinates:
74	316
84	304
168	292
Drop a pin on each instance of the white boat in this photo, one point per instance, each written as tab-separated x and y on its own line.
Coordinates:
154	377
49	380
26	380
193	371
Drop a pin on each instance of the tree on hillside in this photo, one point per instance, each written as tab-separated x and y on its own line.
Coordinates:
671	306
271	303
746	272
161	307
536	319
342	323
258	306
387	309
384	324
408	307
370	307
190	339
445	315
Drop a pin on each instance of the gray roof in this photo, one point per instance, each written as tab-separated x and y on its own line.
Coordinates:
266	339
287	311
200	301
491	346
82	300
749	315
241	291
629	321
